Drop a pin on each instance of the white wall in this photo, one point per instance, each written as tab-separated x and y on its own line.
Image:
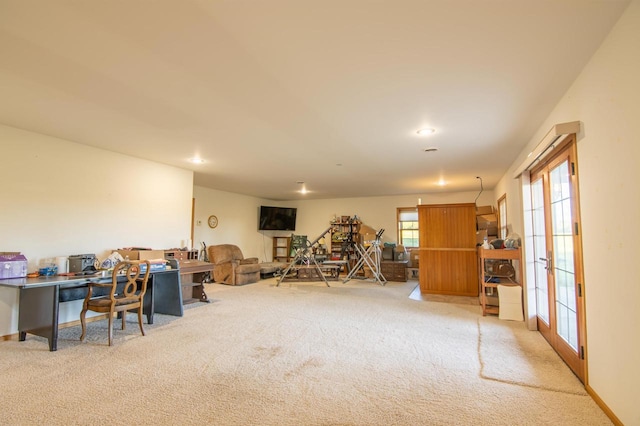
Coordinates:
377	212
606	99
238	216
61	198
237	221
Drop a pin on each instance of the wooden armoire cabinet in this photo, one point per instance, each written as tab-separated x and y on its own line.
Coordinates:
448	258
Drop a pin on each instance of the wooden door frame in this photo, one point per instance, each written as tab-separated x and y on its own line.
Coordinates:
567	151
543	328
193	215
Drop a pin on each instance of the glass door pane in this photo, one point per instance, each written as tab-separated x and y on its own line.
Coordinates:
540	250
563	262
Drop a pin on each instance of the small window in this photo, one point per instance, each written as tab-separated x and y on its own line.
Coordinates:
408	231
502	217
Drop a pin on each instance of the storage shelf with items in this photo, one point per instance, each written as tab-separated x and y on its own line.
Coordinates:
345	232
497	267
282	249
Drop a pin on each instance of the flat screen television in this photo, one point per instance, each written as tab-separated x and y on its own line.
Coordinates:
277	218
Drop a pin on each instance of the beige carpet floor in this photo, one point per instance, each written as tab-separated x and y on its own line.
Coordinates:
299	354
500	346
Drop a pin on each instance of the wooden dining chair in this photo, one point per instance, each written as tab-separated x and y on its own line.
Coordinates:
122	296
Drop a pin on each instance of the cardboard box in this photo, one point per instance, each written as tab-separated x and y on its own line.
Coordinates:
482	210
487	221
13	265
481	235
368	273
414	258
368	238
142	254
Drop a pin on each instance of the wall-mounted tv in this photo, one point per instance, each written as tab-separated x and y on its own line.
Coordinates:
277	218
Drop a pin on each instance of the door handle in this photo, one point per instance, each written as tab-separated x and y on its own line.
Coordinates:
549	263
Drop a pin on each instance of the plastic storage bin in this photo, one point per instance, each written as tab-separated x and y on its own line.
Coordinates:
13	265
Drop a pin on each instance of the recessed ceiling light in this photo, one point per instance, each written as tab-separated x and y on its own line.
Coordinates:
303	189
426	131
441	182
196	160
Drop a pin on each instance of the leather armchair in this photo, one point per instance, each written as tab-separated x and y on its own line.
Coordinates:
231	267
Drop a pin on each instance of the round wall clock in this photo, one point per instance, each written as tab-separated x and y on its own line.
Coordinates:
213	221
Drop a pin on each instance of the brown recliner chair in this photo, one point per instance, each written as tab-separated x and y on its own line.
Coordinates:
231	267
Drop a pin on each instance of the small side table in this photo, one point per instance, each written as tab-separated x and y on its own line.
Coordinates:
193	274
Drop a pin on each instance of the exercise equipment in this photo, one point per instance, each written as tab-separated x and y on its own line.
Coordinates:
370	256
304	255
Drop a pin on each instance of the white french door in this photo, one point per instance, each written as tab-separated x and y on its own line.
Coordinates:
557	246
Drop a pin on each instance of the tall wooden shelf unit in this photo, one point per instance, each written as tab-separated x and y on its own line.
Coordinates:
447	253
490	303
344	230
282	249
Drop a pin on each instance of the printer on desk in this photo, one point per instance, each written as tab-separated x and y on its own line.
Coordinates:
82	262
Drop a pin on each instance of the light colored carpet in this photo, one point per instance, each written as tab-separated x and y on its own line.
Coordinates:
299	354
501	348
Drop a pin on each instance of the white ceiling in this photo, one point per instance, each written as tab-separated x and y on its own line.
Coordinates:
273	92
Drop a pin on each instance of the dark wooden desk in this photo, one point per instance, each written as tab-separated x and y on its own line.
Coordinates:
40	300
